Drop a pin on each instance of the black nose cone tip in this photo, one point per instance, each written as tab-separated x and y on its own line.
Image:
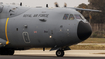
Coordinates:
84	30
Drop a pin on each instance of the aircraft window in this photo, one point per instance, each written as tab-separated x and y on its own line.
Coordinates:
66	16
78	17
71	17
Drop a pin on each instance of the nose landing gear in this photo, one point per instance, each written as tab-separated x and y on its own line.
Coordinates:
60	50
60	53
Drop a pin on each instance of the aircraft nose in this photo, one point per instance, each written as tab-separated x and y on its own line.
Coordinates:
84	30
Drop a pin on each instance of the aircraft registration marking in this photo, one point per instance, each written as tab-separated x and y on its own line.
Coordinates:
6	31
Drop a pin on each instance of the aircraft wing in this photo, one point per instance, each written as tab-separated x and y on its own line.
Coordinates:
2	42
81	9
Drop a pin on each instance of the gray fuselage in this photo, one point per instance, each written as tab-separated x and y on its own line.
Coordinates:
39	27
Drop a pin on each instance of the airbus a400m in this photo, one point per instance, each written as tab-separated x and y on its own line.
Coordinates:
23	28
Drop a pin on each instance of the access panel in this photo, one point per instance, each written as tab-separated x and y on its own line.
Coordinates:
26	37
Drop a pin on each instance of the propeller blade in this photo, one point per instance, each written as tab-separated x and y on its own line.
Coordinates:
47	5
65	4
56	4
20	3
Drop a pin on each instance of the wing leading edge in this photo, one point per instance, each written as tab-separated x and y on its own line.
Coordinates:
81	9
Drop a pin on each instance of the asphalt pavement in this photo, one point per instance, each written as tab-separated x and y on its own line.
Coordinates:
72	54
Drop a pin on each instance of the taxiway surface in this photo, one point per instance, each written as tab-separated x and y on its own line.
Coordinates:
72	54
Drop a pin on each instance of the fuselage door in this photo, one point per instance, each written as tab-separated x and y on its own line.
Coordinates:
26	37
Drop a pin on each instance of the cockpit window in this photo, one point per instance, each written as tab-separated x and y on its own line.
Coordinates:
66	16
71	17
78	17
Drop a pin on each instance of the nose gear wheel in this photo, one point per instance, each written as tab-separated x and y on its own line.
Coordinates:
60	53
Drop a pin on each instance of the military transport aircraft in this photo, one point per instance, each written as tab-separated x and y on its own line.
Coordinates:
57	28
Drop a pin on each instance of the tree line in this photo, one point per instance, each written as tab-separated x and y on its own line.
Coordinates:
94	17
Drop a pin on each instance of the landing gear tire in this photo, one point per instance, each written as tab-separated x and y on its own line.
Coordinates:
6	51
10	52
60	53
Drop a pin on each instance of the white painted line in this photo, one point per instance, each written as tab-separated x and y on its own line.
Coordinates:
91	44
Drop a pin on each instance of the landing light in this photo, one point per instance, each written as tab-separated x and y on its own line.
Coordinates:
67	29
60	29
50	36
0	43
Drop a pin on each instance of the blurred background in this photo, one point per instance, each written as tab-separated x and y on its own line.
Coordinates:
97	20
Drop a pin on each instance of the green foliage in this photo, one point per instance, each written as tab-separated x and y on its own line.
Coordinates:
83	5
98	34
97	5
94	35
85	14
94	40
87	47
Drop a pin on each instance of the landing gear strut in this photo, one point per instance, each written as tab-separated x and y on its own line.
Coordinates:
4	51
60	53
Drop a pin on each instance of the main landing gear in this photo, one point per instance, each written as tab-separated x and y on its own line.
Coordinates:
60	53
4	51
